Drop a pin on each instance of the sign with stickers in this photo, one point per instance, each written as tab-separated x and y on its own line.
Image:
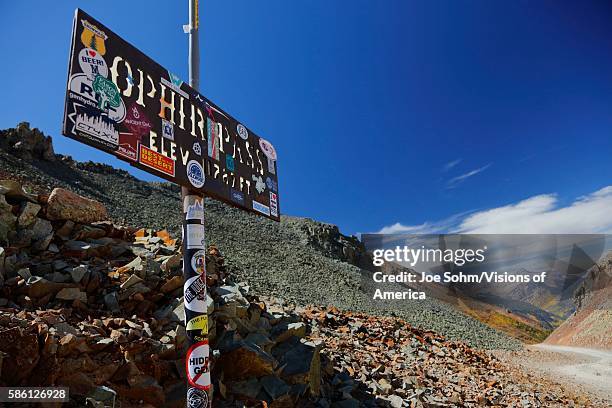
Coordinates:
122	102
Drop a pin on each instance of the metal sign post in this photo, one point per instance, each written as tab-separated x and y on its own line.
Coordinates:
194	260
122	102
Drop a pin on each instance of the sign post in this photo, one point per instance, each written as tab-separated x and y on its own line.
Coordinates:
197	360
122	102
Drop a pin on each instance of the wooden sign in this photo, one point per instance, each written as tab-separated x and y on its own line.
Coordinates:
121	101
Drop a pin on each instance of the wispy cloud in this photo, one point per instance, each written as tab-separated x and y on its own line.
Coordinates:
451	164
540	214
455	181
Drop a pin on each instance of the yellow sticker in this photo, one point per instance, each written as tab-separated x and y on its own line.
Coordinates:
93	37
199	323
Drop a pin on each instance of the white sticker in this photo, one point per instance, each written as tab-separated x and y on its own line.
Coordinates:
267	149
242	131
167	129
197	362
195	174
81	89
195	294
92	63
195	236
198	262
194	208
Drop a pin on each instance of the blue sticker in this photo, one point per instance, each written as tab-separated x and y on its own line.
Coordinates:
237	196
271	184
229	161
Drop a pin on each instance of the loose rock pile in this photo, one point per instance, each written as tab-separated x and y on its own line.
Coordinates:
386	362
97	307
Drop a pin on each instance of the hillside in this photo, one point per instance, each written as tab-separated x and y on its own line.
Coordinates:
305	262
591	324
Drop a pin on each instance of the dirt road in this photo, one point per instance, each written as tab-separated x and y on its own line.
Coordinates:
586	370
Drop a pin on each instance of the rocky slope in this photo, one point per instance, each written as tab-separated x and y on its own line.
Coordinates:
591	324
97	307
298	260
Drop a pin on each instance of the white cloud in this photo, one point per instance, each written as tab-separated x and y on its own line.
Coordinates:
541	214
451	164
455	181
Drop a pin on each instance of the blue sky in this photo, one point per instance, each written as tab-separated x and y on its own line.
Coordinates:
409	115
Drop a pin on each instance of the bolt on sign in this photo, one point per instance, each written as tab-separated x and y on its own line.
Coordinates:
121	101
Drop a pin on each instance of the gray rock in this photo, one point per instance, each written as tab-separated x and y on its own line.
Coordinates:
274	386
111	302
28	214
72	294
78	272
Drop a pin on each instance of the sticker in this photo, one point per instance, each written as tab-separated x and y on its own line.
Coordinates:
195	174
229	161
198	372
175	84
92	63
213	130
93	37
81	90
194	208
195	236
242	131
271	184
136	120
128	146
195	294
108	92
167	129
197	149
197	398
156	161
97	127
267	149
271	167
259	207
198	262
237	196
273	204
260	186
199	323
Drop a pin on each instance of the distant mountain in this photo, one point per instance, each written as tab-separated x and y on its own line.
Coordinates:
591	324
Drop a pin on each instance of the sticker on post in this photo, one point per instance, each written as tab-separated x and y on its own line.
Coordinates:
198	262
194	208
195	294
195	174
198	323
197	398
195	236
197	362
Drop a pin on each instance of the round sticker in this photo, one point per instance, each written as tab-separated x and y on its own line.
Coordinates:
198	371
197	398
198	261
82	85
268	149
195	294
242	131
92	63
195	174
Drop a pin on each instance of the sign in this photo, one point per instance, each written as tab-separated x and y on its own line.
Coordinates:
120	101
197	362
